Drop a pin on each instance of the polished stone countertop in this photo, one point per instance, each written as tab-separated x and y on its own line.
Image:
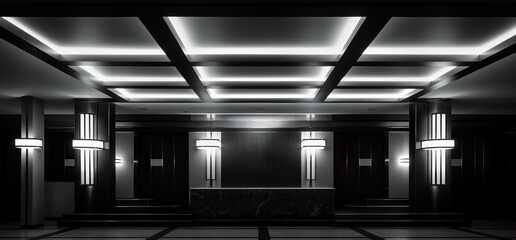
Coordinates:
260	188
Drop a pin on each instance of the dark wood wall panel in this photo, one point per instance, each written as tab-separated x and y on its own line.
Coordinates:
58	147
354	183
261	159
167	184
483	186
10	167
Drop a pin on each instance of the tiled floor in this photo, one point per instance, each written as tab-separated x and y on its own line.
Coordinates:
12	231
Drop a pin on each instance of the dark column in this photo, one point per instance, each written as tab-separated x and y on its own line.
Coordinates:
32	165
424	196
100	196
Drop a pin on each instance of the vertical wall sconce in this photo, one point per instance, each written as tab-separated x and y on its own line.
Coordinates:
211	145
311	145
87	145
437	146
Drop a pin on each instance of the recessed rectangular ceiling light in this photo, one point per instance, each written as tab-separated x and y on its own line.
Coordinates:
427	50
308	93
101	77
320	77
399	95
127	94
434	76
100	51
350	26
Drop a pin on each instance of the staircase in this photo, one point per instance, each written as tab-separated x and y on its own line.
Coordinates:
394	213
132	213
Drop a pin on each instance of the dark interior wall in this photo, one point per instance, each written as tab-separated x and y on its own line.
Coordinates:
58	147
484	185
354	183
261	159
167	183
10	167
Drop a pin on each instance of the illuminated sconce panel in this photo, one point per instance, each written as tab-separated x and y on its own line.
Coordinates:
310	145
437	146
207	144
118	161
313	143
28	143
404	161
87	145
211	145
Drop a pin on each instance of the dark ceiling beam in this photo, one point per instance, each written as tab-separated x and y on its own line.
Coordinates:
473	68
365	35
159	29
119	63
265	64
114	8
199	63
412	63
48	59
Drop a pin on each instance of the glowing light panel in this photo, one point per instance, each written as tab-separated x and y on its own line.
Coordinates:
101	77
434	76
225	94
73	50
349	27
28	143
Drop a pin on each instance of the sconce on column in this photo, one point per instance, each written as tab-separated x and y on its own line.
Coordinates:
87	145
437	145
211	145
28	143
311	145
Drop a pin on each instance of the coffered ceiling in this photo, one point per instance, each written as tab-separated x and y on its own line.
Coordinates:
363	58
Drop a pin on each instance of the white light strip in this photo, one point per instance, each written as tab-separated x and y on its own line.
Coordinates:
307	94
87	144
118	161
26	143
437	144
321	77
404	160
350	25
100	51
208	144
473	50
313	143
402	94
101	77
434	76
128	95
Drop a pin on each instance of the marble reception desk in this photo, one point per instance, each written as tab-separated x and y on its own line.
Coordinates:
262	203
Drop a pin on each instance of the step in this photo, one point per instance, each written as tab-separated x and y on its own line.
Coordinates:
134	201
343	215
387	201
128	216
403	223
123	223
360	208
149	209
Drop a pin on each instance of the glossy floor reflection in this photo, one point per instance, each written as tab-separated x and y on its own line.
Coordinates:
50	231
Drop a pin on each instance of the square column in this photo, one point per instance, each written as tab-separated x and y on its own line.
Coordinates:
95	169
32	202
429	170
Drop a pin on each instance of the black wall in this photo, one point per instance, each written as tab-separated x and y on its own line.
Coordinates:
58	147
484	185
261	159
10	167
354	183
168	184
